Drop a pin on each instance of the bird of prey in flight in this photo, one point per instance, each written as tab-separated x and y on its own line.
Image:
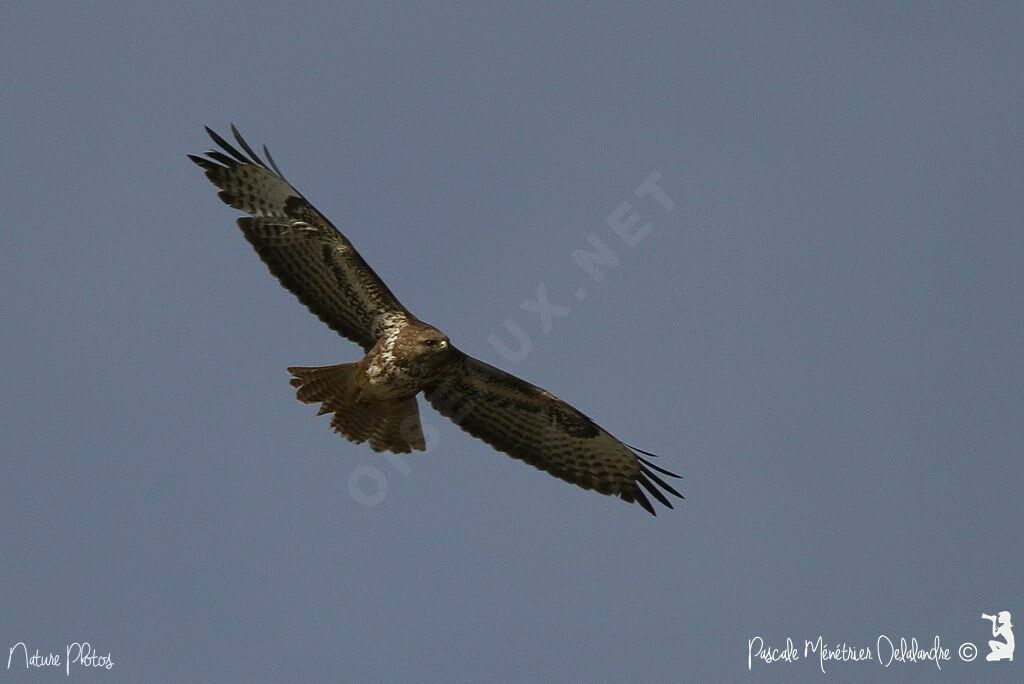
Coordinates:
374	399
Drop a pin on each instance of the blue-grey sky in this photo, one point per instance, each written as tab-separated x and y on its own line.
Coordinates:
823	335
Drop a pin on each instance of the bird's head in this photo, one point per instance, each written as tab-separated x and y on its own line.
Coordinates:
431	342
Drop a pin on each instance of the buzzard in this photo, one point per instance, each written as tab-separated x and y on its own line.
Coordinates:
374	399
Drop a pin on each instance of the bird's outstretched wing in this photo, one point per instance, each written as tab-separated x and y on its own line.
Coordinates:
531	424
302	248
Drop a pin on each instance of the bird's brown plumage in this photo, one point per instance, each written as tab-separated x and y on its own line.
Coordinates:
374	400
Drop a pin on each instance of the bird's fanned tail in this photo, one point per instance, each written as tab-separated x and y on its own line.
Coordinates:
391	425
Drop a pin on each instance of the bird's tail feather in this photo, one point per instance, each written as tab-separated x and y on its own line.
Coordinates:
389	425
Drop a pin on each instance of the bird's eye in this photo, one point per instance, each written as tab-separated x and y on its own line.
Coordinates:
430	343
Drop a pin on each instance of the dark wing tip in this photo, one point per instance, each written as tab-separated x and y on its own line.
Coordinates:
661	470
273	164
202	162
229	155
226	146
643	460
646	484
645	502
648	479
661	483
245	146
224	159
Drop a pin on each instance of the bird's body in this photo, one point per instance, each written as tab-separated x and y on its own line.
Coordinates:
388	373
403	362
374	400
